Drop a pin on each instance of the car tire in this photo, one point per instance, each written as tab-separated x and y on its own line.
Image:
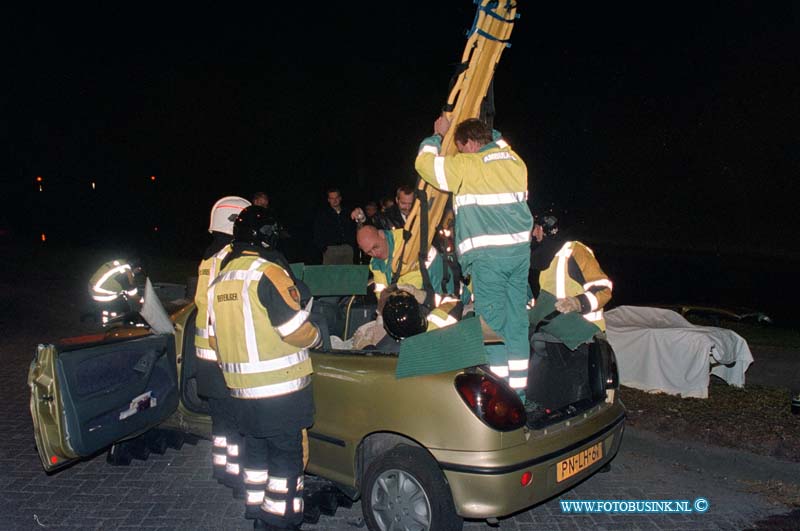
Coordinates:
404	489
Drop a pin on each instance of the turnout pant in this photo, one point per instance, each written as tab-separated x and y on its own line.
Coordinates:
500	287
273	478
225	436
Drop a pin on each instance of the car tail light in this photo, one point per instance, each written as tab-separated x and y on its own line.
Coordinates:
492	401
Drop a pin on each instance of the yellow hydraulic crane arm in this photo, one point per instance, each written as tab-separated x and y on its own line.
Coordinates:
489	36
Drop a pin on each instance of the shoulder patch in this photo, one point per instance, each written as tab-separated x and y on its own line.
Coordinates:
500	155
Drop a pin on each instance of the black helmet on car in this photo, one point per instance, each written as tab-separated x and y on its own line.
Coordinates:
403	316
256	226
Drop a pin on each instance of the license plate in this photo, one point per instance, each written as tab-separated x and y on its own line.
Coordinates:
579	462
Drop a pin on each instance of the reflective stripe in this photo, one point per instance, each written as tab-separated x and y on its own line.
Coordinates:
201	332
379	287
493	239
602	282
438	171
249	325
239	274
220	441
500	370
440	322
279	485
297	505
255	477
518	365
429	149
431	257
439	299
292	324
232	468
561	270
592	300
219	459
266	366
518	383
206	354
108	274
254	497
266	391
300	483
593	316
233	450
502	144
505	198
274	506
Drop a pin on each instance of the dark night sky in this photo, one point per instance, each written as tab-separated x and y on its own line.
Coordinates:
664	123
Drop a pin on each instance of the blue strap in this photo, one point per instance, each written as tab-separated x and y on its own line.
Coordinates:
489	10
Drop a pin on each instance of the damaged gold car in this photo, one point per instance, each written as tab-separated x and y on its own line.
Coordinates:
445	446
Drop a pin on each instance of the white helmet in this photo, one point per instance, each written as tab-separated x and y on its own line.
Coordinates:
225	212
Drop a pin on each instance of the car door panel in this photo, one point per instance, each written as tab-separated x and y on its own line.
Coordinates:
88	398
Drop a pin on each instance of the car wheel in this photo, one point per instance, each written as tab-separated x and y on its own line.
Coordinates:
404	490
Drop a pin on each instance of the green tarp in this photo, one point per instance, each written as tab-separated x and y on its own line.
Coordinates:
333	280
443	350
570	328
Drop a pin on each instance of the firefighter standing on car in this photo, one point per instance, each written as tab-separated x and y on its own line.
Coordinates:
569	271
262	335
226	441
489	182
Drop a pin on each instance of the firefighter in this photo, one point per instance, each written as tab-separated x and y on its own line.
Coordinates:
569	271
262	335
225	437
489	182
114	288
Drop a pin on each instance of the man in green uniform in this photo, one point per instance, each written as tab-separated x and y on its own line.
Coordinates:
489	182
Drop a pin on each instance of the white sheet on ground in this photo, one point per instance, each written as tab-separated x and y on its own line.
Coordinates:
659	350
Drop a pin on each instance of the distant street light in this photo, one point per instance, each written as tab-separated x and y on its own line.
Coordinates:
40	182
153	178
93	186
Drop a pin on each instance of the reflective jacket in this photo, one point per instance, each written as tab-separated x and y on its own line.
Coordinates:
258	328
112	279
575	272
490	193
382	269
206	272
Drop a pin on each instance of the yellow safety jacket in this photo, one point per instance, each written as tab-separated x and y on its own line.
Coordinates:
382	269
206	272
447	312
262	345
575	272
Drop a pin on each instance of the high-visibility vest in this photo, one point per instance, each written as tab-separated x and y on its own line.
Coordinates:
254	359
592	285
206	272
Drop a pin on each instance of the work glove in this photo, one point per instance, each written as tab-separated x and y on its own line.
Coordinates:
568	304
419	294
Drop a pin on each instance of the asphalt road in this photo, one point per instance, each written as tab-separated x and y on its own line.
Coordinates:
175	490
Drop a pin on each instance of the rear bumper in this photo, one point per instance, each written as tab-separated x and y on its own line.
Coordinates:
489	486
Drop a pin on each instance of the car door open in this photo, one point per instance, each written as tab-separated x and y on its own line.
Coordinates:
86	397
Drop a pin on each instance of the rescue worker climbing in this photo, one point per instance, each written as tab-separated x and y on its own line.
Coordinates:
489	182
570	272
226	441
262	334
114	289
